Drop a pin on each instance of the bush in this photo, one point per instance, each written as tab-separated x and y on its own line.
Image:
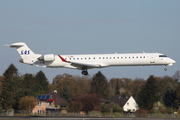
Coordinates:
142	113
94	114
105	108
117	108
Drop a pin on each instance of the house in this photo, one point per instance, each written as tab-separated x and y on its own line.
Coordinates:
128	103
49	103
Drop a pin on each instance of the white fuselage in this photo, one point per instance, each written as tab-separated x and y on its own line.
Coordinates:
106	60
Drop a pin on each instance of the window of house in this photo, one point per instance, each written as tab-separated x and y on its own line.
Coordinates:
40	103
127	103
39	111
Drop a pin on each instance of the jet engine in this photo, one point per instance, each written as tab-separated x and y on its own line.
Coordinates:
48	57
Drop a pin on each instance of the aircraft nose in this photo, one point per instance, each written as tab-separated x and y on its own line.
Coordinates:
173	61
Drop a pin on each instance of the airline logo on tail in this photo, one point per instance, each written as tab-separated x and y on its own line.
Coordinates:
26	52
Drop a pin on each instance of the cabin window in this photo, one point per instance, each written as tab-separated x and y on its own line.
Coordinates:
85	58
69	58
81	58
117	57
121	57
129	57
106	57
133	57
137	57
144	56
94	57
140	56
89	58
103	57
125	57
77	58
162	56
65	58
74	58
110	58
99	57
114	57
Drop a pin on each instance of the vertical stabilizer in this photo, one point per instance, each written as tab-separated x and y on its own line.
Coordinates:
23	50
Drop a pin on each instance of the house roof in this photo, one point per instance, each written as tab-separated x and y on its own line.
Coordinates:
53	95
121	100
59	100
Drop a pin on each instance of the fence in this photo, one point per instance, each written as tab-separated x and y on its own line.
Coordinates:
90	114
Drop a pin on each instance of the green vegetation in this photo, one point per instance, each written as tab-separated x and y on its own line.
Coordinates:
159	95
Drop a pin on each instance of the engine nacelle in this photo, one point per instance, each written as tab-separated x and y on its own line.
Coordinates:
48	57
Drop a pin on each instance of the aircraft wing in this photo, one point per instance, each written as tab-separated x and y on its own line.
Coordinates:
80	65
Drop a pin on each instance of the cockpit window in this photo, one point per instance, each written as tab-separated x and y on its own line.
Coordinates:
162	56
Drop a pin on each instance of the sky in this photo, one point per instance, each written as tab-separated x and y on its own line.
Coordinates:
91	27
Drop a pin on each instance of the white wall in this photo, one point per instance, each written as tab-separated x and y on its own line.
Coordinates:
130	105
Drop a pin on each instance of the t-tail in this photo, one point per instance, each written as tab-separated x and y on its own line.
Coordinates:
27	55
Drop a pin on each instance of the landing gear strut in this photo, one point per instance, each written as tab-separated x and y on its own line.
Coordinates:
165	69
84	72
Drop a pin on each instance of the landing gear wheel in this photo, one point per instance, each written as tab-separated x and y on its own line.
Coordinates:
84	72
165	69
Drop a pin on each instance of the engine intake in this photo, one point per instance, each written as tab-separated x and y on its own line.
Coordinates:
48	57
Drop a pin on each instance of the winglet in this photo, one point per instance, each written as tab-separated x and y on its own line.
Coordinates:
62	58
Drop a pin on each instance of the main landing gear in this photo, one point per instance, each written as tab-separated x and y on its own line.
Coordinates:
85	72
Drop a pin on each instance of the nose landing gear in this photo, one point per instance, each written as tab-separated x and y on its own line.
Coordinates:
165	69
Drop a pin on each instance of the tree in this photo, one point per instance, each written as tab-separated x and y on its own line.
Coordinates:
169	96
117	89
148	94
42	80
99	85
28	81
75	106
177	100
11	87
27	103
65	79
66	93
105	108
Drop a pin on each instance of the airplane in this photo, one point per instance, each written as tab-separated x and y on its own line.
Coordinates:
89	61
